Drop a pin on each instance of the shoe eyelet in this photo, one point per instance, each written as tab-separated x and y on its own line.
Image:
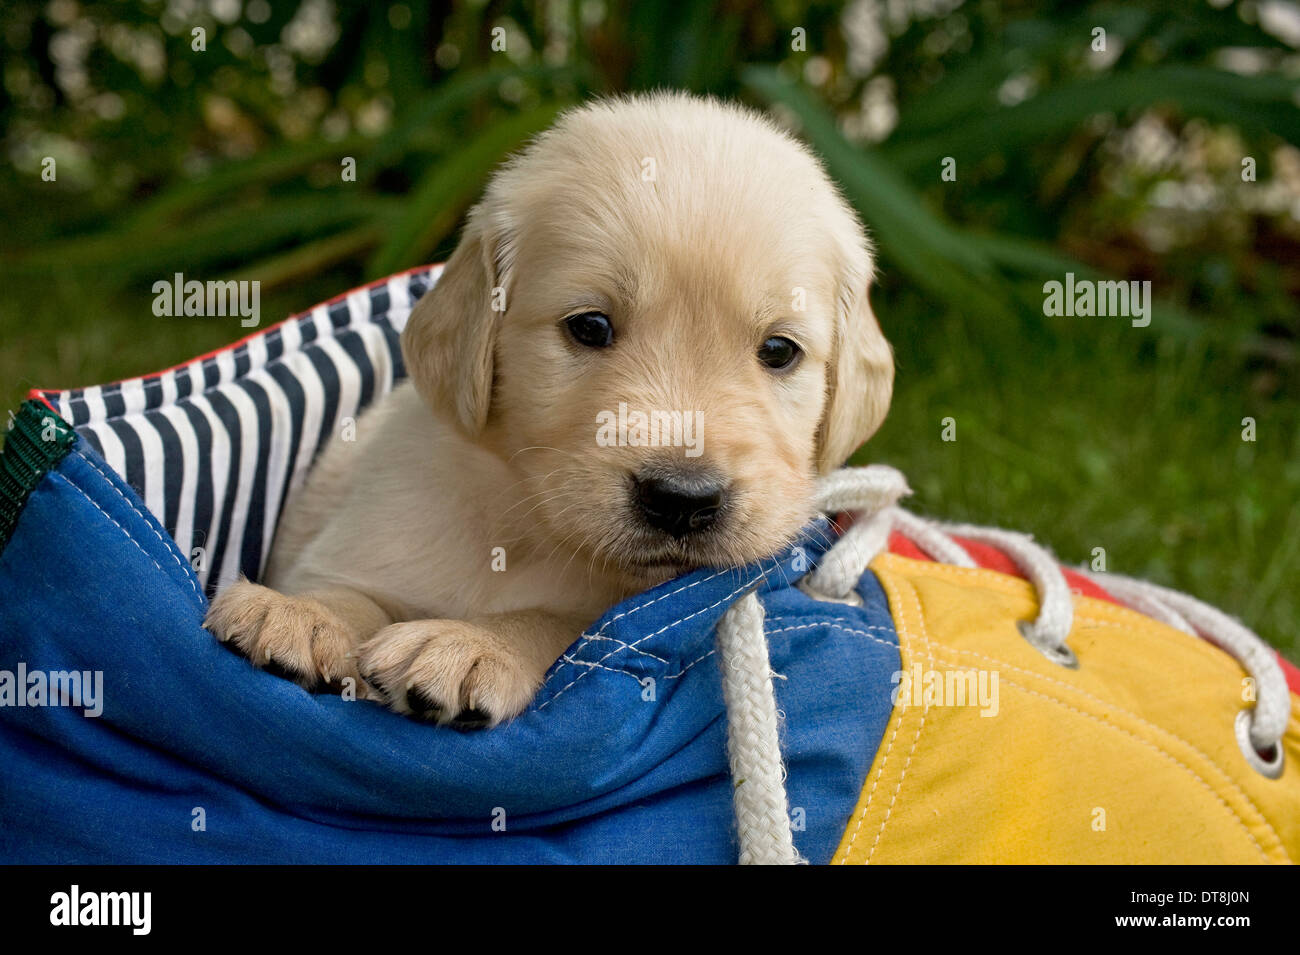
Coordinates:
853	599
1060	654
1269	765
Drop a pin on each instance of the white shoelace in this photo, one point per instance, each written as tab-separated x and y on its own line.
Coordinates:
872	494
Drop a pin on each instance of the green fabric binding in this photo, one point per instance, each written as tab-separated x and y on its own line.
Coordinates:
38	440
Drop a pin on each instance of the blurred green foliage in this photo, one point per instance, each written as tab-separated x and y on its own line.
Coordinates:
228	158
1127	161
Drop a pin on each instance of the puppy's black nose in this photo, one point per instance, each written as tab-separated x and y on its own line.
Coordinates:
679	503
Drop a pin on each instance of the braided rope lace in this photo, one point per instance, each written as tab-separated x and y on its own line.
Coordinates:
872	494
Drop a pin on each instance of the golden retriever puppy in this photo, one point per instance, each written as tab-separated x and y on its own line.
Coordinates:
652	337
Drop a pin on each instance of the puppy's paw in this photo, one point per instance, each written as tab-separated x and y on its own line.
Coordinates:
295	637
449	671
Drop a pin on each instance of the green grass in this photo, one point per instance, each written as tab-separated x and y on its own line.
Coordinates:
63	333
1094	434
1085	432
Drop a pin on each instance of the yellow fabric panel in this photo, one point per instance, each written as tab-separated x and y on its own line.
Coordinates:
1130	758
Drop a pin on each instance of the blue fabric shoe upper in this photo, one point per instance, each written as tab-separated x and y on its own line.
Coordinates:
198	757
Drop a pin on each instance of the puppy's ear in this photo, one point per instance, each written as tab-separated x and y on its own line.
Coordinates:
860	380
450	337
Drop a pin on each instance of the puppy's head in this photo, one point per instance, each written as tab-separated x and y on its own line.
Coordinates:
658	315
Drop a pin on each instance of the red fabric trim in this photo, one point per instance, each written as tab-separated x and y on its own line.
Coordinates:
41	392
1291	672
990	558
36	394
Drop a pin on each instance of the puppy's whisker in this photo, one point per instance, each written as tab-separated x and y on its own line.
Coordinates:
541	447
821	535
545	487
536	533
525	537
548	494
554	495
562	512
573	553
547	533
785	578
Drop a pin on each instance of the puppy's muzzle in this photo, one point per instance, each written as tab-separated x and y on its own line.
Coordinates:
679	503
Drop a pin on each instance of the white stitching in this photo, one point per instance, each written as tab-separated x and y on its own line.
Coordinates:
835	626
633	644
625	646
930	647
929	655
598	666
642	606
638	678
884	758
186	570
838	620
832	624
1120	709
673	676
588	637
110	517
1170	756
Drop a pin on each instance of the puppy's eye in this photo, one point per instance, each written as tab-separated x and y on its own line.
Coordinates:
592	329
779	354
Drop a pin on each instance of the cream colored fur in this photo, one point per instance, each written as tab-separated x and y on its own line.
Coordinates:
700	229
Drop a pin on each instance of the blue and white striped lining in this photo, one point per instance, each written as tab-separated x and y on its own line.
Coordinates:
215	447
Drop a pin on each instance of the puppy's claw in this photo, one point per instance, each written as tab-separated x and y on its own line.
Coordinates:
297	638
472	719
454	672
421	705
283	672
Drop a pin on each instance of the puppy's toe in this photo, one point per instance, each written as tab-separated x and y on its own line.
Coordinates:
235	616
295	637
495	688
448	671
